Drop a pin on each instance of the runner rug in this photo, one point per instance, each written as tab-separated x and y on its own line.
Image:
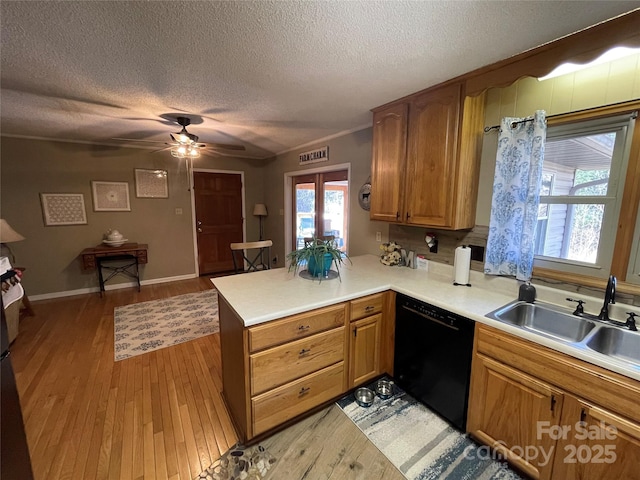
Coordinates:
147	326
420	443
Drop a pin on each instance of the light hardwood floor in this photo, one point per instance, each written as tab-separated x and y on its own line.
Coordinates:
154	416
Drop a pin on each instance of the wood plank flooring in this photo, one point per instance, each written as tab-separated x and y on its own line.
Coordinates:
154	416
328	446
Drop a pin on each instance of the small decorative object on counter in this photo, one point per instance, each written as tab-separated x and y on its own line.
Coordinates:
392	254
527	293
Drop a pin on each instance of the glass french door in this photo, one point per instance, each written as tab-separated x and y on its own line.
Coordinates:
320	207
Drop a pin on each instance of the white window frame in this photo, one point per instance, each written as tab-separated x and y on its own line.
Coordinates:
623	125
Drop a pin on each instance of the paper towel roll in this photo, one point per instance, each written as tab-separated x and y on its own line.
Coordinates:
461	266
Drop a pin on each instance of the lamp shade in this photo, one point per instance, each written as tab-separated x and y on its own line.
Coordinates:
260	210
8	234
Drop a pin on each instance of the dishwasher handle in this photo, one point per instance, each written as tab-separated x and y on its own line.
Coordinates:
452	327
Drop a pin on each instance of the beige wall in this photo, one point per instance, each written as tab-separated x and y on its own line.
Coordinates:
50	253
353	148
605	84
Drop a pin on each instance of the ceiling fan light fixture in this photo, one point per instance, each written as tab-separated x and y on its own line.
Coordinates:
185	151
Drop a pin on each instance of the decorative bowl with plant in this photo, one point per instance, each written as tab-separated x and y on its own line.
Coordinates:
317	255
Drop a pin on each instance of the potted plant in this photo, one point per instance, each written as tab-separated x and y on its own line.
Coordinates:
317	255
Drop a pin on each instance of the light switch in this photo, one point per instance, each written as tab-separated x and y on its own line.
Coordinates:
282	212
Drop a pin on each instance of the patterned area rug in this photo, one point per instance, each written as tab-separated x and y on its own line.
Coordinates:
420	443
240	463
143	327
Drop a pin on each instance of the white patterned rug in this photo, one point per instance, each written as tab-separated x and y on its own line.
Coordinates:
143	327
420	443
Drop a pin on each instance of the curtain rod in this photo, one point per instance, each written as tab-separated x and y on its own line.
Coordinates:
633	114
513	124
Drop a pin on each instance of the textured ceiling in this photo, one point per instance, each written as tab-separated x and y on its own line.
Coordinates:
270	75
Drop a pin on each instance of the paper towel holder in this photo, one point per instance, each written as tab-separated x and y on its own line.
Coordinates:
456	284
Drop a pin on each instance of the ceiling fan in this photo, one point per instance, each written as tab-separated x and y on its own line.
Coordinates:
185	144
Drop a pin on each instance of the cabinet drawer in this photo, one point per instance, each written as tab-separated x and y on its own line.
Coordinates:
280	365
283	403
363	307
295	327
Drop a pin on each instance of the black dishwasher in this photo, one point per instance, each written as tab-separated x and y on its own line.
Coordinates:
432	362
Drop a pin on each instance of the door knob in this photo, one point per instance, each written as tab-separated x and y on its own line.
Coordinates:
199	230
198	222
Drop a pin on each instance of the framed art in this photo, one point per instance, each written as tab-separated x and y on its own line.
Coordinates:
110	196
63	209
151	183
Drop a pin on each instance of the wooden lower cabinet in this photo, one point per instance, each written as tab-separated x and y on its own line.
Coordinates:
278	370
281	404
605	445
527	402
507	408
364	349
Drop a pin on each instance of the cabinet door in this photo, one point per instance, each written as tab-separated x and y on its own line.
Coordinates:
604	445
364	349
431	157
505	408
387	164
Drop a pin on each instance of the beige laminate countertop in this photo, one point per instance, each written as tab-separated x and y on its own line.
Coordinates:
267	295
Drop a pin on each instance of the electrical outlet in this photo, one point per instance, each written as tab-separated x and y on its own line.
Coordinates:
378	236
178	211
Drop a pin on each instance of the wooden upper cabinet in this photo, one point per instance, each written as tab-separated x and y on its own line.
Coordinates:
425	169
431	156
388	160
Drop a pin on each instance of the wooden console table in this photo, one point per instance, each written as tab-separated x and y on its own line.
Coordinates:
100	256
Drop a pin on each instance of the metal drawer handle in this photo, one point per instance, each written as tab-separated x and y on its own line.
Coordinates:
304	391
302	328
304	351
368	308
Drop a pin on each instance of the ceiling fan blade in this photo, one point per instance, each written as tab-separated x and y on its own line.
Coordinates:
226	146
137	140
164	149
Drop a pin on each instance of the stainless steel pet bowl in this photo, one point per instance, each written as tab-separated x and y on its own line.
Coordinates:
364	396
384	388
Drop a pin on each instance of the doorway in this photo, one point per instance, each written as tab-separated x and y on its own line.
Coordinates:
320	207
218	219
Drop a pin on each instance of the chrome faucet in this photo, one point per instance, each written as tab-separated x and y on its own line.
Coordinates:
609	297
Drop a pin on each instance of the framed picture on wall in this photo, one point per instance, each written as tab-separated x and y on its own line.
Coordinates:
110	196
151	183
63	209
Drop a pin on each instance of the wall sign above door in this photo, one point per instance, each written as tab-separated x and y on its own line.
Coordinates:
315	156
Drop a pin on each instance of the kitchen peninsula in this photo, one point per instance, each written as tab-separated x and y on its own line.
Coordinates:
288	343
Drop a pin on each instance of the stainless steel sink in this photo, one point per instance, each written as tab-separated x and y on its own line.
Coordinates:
560	324
544	319
616	342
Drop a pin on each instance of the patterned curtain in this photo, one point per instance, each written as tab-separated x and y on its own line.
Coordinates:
516	187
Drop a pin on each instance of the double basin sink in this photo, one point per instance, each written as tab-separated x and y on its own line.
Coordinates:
558	324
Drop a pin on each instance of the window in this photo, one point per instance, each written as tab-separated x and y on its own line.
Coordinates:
582	184
320	207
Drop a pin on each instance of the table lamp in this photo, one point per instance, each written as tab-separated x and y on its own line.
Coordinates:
8	235
260	210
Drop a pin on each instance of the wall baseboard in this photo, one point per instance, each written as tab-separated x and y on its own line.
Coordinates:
82	291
